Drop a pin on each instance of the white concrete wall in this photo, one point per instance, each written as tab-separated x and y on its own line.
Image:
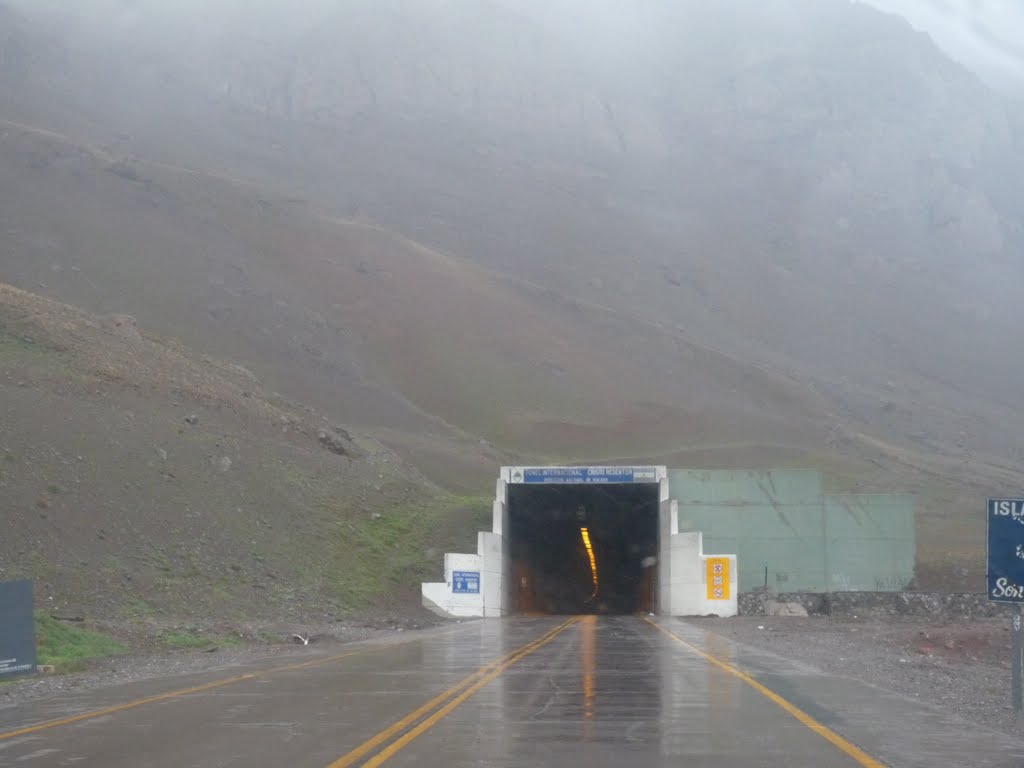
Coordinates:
494	579
499	511
440	598
689	579
665	528
491	561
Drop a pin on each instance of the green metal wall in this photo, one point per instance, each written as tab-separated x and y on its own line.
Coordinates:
871	542
781	521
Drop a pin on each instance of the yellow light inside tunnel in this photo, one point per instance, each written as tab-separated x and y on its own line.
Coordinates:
585	533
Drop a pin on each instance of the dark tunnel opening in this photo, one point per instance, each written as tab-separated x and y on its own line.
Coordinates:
580	549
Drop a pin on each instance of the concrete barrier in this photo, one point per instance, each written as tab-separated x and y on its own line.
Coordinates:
474	585
700	584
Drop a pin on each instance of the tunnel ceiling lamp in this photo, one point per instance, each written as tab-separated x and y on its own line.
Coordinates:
585	533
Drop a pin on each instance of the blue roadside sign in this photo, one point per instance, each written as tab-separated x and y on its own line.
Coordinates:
1006	550
17	629
1006	579
466	582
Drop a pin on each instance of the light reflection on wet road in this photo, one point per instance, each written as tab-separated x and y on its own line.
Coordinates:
613	692
595	691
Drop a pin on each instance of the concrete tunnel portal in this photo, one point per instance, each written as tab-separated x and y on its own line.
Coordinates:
580	549
584	540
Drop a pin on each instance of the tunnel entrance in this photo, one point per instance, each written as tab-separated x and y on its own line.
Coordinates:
584	540
583	549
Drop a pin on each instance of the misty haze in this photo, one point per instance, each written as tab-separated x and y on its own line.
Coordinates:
284	286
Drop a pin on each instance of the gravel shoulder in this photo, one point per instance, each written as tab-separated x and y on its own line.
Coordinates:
229	646
961	667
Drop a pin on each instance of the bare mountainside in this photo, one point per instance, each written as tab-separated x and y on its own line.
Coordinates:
368	323
141	479
393	337
708	233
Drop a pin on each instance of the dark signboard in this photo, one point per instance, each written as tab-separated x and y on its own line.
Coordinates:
17	629
1006	550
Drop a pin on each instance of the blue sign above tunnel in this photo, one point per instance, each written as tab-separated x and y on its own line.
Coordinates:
583	475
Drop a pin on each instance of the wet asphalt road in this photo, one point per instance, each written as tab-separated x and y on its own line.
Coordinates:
609	691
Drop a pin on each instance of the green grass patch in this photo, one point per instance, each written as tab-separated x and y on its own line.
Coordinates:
134	607
24	346
68	648
405	545
186	640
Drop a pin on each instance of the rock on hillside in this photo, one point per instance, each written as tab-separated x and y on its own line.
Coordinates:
141	480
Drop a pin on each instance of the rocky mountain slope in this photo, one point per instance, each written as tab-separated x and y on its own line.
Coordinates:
141	479
705	234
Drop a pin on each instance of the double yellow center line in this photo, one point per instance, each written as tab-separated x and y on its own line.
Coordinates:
396	737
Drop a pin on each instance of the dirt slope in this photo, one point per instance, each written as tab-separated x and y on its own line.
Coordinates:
142	479
426	340
782	236
423	351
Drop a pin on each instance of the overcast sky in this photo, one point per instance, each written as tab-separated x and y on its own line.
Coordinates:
985	35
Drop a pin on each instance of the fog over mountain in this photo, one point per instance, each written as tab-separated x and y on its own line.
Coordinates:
795	226
987	36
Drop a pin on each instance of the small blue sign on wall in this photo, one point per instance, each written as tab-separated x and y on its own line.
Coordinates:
466	582
1006	550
